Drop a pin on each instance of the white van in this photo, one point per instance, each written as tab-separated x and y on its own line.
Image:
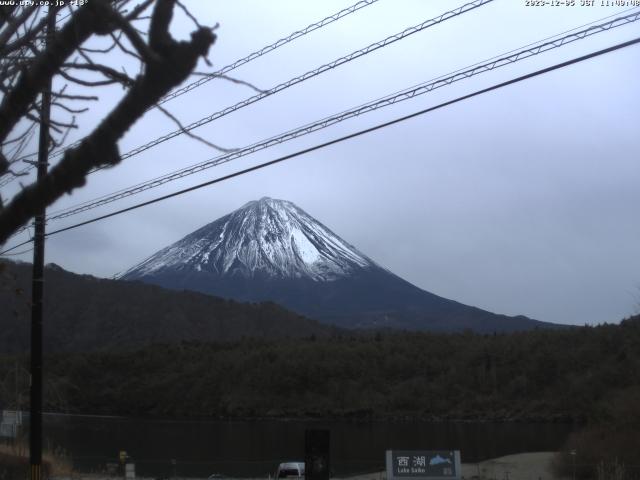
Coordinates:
290	469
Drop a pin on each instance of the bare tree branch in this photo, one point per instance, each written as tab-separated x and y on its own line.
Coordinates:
232	80
118	42
171	63
5	13
13	24
105	70
75	97
193	135
147	54
135	13
188	14
100	50
86	83
29	36
69	109
89	19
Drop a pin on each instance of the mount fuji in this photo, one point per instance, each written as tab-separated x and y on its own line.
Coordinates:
272	250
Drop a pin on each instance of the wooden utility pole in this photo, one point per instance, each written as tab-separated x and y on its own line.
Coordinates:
37	284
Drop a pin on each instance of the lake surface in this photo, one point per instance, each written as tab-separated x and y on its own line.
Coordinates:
254	448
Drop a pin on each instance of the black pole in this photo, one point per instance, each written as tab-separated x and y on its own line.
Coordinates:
37	287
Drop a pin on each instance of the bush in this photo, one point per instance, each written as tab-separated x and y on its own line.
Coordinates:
602	452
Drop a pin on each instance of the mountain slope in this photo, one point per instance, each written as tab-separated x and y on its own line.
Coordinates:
272	250
272	238
84	313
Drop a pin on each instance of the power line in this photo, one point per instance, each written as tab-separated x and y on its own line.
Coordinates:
18	253
596	29
617	22
407	94
267	49
299	79
252	56
306	76
348	137
226	69
6	252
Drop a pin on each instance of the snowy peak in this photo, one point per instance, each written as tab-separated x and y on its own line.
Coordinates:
266	237
271	250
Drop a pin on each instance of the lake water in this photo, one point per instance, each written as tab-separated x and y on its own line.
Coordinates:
254	448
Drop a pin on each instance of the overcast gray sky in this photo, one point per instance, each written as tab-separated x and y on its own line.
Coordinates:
521	201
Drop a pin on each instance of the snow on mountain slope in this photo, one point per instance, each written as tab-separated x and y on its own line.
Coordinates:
271	250
267	237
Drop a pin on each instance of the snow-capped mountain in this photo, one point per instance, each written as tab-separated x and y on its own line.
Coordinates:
271	250
267	237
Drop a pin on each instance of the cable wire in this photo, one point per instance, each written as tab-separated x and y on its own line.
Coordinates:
296	80
616	23
350	136
5	252
342	139
226	69
308	75
267	49
17	253
407	94
257	54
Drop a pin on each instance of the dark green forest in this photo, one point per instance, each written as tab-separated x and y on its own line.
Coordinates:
84	313
589	375
542	375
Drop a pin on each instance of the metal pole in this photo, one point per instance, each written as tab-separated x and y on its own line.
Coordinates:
37	287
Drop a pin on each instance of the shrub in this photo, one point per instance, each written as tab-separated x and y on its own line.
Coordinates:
601	452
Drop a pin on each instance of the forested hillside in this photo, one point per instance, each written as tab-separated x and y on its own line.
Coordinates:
85	313
543	375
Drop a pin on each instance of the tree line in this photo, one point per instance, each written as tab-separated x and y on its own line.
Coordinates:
541	375
589	375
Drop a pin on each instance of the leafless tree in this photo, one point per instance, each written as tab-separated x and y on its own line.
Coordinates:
28	61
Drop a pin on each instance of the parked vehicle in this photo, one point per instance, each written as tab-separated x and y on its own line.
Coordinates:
290	469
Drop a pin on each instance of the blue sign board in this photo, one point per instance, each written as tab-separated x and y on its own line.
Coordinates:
423	464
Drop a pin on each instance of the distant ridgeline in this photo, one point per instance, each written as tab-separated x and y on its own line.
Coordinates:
299	278
304	369
85	313
273	250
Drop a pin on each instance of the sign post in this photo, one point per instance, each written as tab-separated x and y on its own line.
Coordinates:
423	465
317	454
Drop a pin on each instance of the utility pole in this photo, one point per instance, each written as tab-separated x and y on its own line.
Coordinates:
37	283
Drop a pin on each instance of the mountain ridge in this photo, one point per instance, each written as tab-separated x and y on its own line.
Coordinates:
273	250
270	236
86	313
